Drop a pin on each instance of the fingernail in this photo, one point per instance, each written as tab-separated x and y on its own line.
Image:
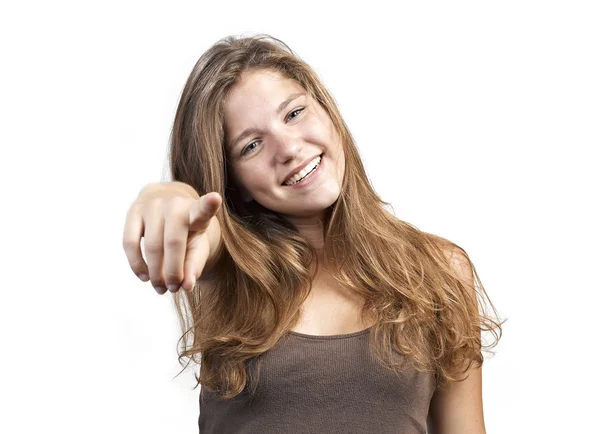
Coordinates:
160	289
173	287
144	277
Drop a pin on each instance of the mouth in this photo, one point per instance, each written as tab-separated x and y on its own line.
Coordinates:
299	180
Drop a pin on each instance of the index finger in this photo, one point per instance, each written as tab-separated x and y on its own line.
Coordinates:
203	210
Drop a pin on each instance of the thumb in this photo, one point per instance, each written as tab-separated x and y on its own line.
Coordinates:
203	210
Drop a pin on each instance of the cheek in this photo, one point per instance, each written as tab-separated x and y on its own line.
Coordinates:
324	125
254	178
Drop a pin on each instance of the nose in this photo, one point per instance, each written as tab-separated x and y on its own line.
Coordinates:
286	146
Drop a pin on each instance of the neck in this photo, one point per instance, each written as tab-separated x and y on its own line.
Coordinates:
312	228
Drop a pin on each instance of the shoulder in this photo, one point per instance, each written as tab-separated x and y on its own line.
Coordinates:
456	256
460	265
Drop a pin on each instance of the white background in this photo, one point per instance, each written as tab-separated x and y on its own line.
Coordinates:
478	121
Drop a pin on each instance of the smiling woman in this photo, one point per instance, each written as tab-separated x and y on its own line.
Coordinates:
281	145
318	310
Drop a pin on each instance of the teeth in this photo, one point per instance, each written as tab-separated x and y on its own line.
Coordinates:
307	169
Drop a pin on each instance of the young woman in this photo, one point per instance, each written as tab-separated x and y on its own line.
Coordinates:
309	307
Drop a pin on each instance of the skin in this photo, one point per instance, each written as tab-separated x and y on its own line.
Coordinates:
283	141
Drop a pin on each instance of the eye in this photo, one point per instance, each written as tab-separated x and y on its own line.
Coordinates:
245	150
298	110
250	149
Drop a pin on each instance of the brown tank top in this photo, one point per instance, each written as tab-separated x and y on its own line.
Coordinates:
325	385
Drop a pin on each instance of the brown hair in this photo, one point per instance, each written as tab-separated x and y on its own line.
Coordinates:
408	278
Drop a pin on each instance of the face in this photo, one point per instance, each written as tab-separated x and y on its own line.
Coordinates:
274	135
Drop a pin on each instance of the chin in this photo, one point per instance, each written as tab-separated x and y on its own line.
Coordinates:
306	206
313	209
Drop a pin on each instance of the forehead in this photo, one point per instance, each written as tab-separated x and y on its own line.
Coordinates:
261	83
257	94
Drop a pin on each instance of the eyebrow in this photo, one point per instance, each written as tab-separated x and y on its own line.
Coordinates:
281	107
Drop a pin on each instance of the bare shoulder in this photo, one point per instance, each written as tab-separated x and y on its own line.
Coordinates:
457	257
452	251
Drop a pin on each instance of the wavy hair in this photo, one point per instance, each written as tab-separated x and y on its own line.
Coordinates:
424	309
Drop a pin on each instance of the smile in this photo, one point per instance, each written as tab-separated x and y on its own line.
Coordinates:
305	175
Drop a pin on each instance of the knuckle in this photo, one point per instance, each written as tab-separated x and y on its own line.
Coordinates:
153	203
153	248
135	207
178	201
129	244
174	242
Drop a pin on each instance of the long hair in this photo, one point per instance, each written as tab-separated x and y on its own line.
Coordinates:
264	270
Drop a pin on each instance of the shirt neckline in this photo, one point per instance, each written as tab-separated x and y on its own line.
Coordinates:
327	337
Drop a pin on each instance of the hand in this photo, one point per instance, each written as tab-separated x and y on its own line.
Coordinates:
174	222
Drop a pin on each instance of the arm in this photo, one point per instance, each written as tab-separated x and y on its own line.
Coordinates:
458	409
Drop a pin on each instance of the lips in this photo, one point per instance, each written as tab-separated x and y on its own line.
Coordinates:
299	168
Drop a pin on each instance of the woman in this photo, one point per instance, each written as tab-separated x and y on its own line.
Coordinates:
309	307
